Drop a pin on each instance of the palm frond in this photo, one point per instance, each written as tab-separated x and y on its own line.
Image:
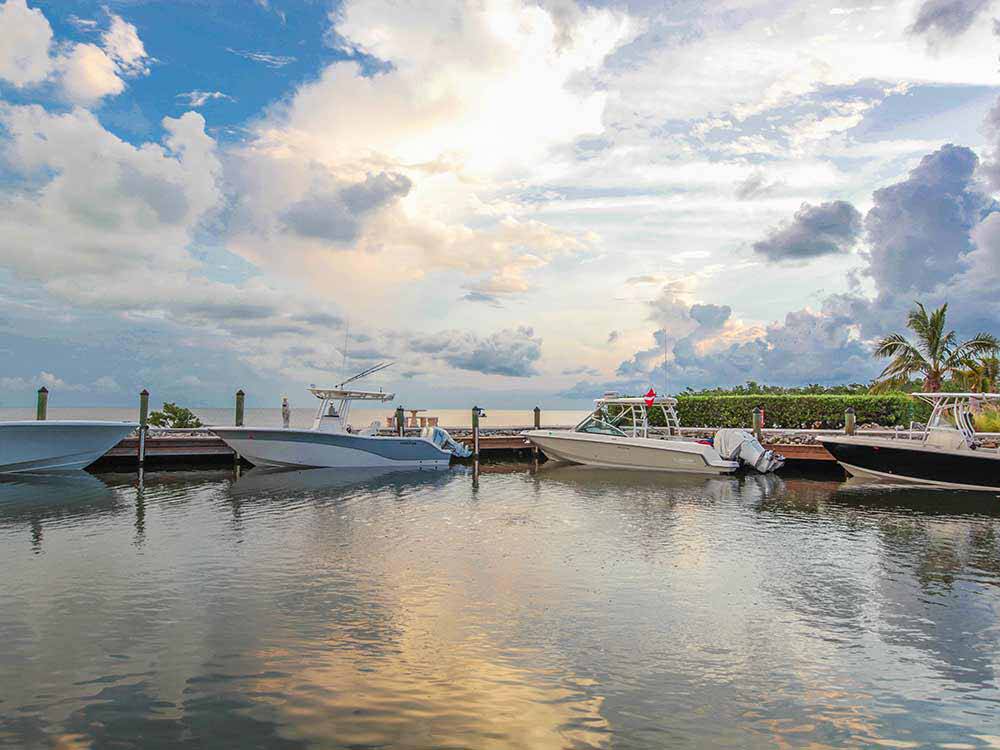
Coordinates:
894	345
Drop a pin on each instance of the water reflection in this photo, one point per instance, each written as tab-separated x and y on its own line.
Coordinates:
549	608
293	482
36	500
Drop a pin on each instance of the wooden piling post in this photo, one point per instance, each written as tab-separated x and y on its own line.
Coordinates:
538	426
476	413
758	424
400	421
143	425
41	411
850	421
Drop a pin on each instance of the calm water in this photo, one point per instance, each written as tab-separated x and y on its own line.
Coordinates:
563	608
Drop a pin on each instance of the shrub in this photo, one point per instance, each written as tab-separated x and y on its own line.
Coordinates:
988	420
174	416
799	411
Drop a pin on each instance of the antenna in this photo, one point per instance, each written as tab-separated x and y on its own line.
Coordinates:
347	339
365	373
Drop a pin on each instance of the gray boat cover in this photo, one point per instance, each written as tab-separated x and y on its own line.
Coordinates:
740	445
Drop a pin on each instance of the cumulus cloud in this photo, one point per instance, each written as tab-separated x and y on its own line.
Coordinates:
85	72
510	352
939	20
933	236
89	73
919	228
336	215
991	125
442	121
25	38
826	229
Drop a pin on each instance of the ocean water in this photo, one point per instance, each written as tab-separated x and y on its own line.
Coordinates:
360	417
562	607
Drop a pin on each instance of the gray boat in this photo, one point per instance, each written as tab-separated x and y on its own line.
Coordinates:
57	445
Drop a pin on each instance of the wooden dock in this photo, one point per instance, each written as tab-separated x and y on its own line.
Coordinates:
165	450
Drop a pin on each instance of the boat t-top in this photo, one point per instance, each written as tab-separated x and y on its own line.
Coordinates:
945	452
619	434
332	442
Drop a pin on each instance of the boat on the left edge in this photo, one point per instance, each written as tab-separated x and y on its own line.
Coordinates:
57	445
332	443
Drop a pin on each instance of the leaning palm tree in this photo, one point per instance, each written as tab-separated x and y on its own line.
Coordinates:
935	356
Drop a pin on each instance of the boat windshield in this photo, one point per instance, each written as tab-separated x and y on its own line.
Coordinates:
595	426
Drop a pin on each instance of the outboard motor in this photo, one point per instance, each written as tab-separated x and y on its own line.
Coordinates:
740	445
440	437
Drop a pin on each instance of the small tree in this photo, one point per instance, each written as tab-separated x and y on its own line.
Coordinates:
936	355
174	416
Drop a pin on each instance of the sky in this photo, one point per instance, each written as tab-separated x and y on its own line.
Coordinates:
518	203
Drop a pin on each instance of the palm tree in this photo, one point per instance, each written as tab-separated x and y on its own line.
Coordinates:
936	355
982	374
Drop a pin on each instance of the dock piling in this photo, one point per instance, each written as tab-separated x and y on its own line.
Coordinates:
850	421
758	424
476	414
43	404
240	398
538	426
143	426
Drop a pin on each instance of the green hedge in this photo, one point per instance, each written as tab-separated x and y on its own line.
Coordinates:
821	412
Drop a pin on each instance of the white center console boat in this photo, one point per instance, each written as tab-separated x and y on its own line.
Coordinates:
618	434
333	443
58	444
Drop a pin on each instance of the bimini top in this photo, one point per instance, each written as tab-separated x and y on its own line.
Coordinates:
333	394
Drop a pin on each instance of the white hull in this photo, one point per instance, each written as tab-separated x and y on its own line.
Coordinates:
314	449
859	473
615	452
58	445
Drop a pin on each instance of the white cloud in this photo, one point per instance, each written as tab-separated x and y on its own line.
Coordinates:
199	98
25	38
449	117
89	74
122	43
86	72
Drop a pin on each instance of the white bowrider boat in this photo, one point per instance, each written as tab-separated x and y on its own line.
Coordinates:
333	443
57	445
946	452
618	435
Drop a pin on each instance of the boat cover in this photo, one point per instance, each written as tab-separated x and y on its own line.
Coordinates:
740	445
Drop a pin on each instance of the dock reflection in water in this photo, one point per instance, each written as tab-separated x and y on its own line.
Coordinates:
563	607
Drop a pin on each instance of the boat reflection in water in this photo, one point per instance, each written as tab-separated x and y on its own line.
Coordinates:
676	483
278	482
60	498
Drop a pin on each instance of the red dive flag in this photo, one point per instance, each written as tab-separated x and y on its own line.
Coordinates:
650	396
